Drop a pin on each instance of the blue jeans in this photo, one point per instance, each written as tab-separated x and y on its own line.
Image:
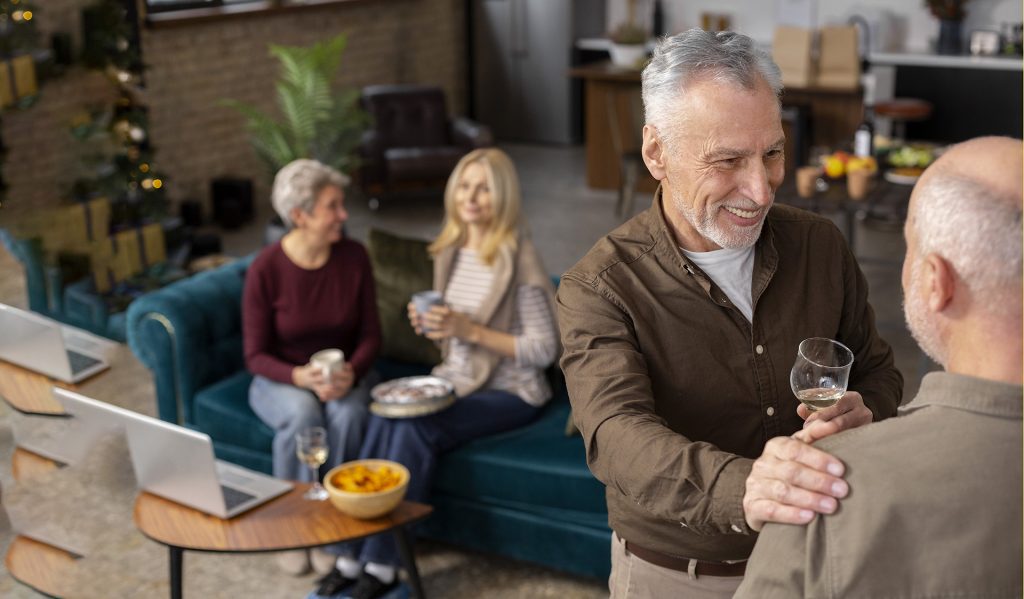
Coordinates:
417	442
288	409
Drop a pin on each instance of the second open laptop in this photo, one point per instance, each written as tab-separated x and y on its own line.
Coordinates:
178	464
39	344
168	460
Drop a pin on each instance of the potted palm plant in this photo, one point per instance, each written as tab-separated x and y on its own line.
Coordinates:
628	41
316	121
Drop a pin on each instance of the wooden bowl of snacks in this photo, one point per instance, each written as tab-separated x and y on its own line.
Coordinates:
367	489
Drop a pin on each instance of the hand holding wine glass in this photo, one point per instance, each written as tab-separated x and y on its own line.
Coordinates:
821	372
311	447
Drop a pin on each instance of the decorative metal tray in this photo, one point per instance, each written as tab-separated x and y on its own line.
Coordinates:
411	396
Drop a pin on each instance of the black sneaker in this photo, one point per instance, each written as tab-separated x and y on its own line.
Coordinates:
369	586
333	583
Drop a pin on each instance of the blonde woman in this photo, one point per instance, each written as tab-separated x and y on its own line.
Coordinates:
497	332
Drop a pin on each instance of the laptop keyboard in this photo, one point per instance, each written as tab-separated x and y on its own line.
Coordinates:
80	362
233	497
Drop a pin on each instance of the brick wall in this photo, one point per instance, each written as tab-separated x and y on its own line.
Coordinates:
192	66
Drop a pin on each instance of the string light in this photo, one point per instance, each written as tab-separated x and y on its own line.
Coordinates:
147	184
144	167
157	183
27	15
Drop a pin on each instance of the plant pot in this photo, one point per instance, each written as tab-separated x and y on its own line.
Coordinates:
629	56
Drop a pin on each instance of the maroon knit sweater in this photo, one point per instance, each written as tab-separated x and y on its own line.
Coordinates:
289	313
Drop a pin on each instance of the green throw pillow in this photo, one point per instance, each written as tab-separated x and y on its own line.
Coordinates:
401	267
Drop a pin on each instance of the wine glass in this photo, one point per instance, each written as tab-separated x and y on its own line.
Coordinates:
821	372
311	447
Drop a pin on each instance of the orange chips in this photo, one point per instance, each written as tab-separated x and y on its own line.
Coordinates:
360	479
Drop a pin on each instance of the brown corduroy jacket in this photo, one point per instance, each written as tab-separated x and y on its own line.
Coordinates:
676	393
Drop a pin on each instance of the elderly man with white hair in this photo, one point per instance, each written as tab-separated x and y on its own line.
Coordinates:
934	508
680	328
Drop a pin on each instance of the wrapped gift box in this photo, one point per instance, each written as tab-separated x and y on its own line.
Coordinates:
17	79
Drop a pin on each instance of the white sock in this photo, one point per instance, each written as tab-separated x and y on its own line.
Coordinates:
348	567
385	574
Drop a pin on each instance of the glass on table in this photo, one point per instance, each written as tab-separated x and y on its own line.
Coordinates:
311	447
821	372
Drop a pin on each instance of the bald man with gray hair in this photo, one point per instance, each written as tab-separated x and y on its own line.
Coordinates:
934	508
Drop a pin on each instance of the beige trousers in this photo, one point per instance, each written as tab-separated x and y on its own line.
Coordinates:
633	578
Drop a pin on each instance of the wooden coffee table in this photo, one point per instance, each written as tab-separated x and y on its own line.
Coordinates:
29	392
43	567
287	522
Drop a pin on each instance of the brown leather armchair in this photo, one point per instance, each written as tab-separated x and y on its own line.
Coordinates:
412	143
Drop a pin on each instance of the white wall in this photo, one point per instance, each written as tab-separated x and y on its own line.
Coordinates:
915	29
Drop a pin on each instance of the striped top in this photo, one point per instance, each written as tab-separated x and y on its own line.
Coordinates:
533	327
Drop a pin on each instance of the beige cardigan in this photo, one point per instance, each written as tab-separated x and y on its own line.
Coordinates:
512	268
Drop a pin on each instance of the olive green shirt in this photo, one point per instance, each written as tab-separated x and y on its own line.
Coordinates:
934	508
676	393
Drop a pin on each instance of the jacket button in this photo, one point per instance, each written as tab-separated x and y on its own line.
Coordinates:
770	411
759	349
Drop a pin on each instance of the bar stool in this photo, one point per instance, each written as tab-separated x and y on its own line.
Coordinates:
902	110
625	124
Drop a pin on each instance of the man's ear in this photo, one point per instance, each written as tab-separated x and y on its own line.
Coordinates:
940	282
653	152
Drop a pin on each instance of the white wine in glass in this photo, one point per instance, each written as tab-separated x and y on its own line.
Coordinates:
311	447
821	372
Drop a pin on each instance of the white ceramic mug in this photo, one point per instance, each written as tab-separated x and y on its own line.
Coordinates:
328	361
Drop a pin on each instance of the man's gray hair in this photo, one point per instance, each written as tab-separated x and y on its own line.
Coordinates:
977	231
297	185
693	54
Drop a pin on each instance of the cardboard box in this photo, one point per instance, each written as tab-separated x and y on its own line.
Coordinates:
838	58
791	50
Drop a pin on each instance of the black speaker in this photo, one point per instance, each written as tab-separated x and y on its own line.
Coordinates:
192	213
232	201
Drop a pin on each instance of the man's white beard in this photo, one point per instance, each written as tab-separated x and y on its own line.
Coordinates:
733	238
924	331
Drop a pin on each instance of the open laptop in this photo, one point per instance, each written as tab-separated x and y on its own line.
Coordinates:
178	464
39	344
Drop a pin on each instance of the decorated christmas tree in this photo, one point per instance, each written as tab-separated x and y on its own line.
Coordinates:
18	37
17	27
118	156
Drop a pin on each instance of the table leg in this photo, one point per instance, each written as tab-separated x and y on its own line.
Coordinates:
177	557
405	550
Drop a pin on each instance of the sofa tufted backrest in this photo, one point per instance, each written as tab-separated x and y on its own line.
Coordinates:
407	116
189	334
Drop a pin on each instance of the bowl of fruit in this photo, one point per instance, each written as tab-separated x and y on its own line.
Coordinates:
839	164
367	489
907	162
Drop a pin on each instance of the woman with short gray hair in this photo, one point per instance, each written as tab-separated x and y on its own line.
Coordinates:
310	291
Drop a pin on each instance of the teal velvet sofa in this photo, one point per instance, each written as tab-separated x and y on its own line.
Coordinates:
525	494
75	303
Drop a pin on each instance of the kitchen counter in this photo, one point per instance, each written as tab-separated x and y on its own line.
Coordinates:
965	61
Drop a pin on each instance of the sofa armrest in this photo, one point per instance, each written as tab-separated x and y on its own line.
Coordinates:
470	134
371	157
84	307
189	335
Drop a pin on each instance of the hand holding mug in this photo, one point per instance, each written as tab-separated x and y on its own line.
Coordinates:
337	385
441	322
421	304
